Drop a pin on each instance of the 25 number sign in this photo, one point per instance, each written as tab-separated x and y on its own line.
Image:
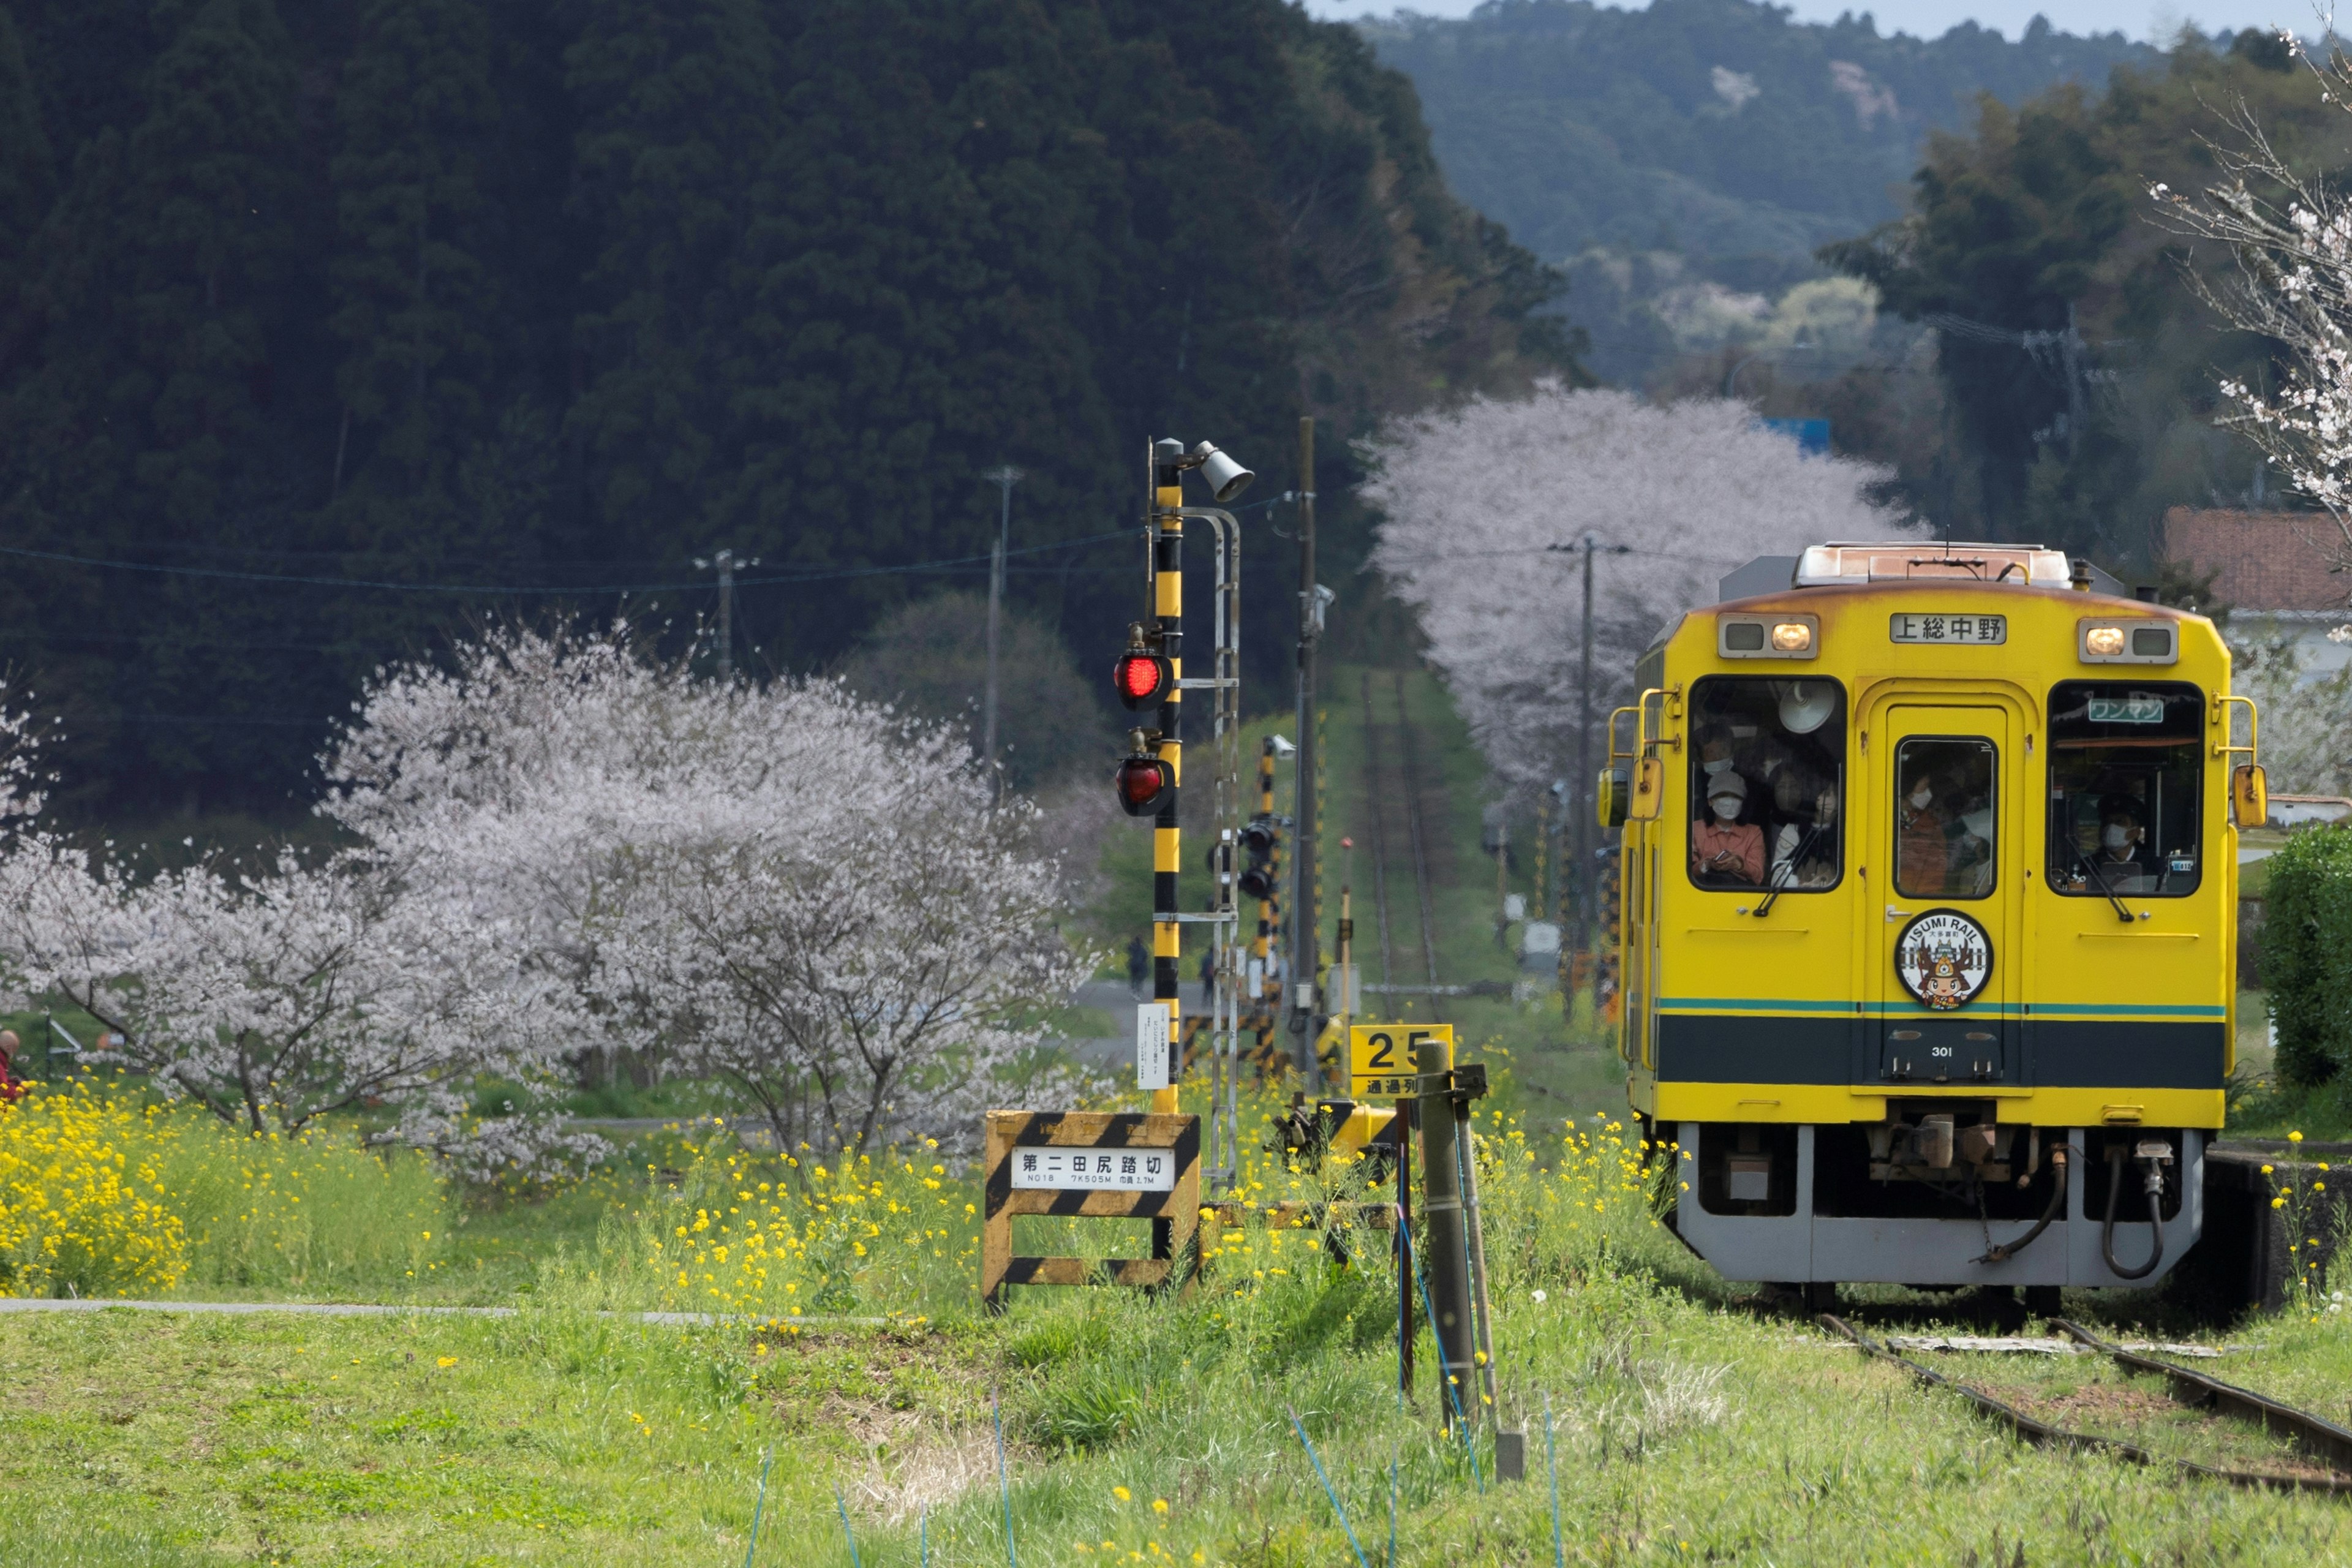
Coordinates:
1382	1057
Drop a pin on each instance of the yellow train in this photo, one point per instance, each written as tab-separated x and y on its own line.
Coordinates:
1928	917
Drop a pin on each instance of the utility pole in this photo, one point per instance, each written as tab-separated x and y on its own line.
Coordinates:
1003	477
1304	965
728	564
1268	907
1585	777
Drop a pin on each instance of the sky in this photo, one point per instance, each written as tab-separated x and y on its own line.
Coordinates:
2156	20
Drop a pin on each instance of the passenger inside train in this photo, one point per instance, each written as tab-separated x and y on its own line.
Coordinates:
1769	763
2125	765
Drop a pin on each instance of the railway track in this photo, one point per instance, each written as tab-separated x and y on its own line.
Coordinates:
1405	766
1409	761
2328	1446
1377	830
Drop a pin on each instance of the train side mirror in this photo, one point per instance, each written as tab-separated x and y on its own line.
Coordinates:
1608	797
2249	795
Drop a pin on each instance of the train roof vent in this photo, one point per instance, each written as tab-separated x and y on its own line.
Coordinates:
2026	565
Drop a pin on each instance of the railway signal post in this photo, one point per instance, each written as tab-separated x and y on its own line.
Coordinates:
1149	678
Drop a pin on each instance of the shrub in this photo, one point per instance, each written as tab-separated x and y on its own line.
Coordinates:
109	1194
310	1211
741	1232
2306	961
83	1204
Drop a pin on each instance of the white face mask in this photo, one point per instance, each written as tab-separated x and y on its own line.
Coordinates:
2115	835
1720	764
1725	807
1921	796
1980	823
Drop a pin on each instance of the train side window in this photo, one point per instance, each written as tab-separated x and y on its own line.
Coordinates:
1945	826
2126	772
1767	784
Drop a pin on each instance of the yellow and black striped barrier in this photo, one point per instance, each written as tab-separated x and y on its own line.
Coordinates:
1094	1164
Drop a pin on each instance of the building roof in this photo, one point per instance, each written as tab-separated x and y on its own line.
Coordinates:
2261	560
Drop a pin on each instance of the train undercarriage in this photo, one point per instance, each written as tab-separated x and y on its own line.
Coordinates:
1941	1193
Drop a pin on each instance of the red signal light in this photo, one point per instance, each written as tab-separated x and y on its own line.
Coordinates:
1140	679
1144	784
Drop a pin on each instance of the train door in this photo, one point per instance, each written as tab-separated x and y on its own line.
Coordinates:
1948	824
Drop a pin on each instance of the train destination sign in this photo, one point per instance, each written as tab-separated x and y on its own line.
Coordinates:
1983	631
1094	1170
2137	708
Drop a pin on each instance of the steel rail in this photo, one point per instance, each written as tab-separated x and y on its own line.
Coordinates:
1408	760
2044	1434
2323	1439
1379	838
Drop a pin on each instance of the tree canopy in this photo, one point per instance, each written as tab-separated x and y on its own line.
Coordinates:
328	331
1689	142
2079	362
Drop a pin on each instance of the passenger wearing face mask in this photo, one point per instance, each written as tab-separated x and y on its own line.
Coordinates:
2119	862
1715	758
1724	849
1922	843
1805	853
1794	833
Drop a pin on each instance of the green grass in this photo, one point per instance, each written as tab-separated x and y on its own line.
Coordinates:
1688	1430
1690	1426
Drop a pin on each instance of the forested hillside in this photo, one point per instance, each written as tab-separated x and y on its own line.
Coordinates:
2079	365
328	329
1700	140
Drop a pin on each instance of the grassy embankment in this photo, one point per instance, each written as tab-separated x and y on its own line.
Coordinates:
1686	1430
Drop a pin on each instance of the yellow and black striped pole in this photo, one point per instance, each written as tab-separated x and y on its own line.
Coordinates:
1168	607
1263	949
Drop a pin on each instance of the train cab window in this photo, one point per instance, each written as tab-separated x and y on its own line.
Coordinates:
2126	760
1945	827
1767	779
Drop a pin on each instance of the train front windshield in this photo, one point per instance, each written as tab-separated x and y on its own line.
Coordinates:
1767	776
2127	759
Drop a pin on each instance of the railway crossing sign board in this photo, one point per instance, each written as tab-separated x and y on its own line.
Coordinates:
1090	1164
1380	1056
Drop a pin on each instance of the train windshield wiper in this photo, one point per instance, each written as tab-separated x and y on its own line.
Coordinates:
1780	885
2100	882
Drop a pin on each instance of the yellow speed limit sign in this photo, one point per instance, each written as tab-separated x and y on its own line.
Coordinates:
1380	1056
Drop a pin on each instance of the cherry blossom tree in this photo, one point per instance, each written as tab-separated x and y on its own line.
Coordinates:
796	891
2289	231
271	998
553	840
275	998
1485	505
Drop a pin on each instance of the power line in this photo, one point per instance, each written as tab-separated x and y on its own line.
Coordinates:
534	591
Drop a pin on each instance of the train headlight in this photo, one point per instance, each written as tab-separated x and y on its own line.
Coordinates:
2128	641
1767	635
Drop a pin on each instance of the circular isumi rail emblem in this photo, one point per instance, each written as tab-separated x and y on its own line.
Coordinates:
1944	958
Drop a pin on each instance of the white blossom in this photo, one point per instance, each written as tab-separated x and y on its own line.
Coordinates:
786	888
1484	506
2290	237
